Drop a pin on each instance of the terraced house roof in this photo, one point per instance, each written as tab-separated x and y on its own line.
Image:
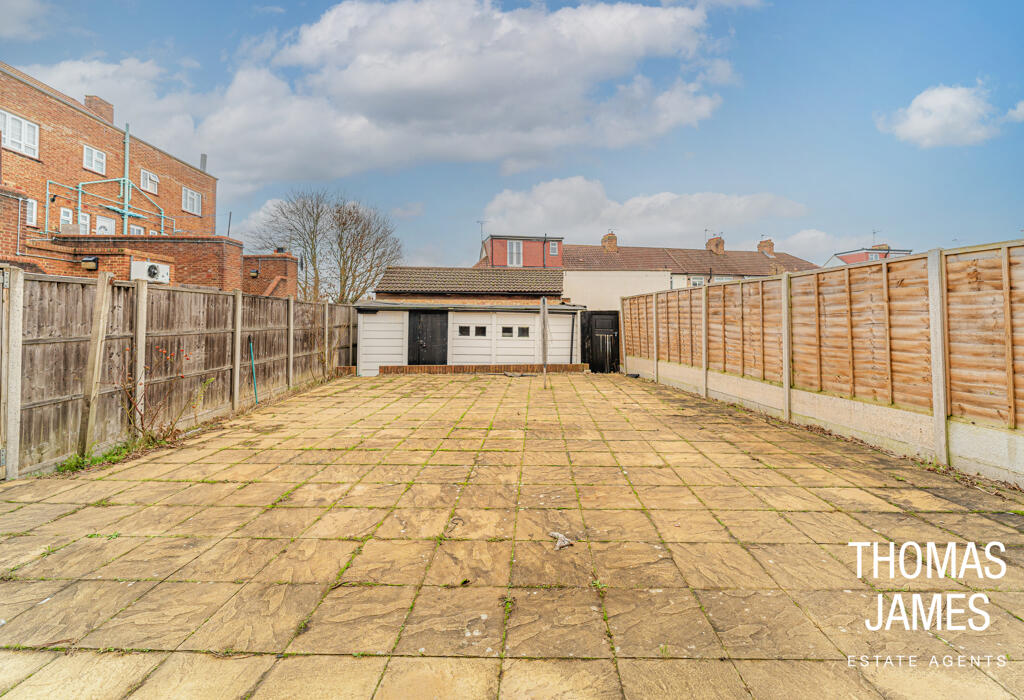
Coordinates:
680	260
468	280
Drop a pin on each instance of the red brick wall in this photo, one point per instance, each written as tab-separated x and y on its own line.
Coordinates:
536	253
63	131
277	274
214	262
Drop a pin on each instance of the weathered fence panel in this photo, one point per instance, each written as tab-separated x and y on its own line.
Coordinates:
187	358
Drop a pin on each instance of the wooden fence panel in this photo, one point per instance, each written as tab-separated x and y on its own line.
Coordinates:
57	319
834	316
978	337
309	341
265	324
908	320
806	347
772	330
870	333
662	325
732	332
1015	264
188	354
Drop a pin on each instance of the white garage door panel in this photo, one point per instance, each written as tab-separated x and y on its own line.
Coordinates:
516	350
382	341
471	349
559	337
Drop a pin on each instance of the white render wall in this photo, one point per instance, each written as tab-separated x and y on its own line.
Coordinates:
603	290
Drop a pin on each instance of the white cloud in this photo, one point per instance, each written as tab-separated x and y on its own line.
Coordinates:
1016	114
22	19
269	9
247	227
943	116
410	210
580	210
812	244
371	85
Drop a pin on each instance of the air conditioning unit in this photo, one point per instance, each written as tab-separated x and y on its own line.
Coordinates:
151	272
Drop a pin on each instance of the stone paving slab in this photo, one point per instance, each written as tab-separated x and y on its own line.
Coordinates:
389	537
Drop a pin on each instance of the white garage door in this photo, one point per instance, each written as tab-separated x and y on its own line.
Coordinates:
382	341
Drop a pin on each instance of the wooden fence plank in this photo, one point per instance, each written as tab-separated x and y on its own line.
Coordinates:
1011	401
91	381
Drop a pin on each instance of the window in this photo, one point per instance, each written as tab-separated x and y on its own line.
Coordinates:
31	212
515	253
506	331
149	182
153	232
191	201
464	331
524	331
19	134
553	248
480	331
104	226
136	230
872	256
722	278
94	160
83	224
67	216
697	281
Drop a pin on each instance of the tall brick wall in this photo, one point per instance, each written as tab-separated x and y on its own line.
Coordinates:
213	261
276	274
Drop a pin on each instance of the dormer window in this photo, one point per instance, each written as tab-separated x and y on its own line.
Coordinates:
515	253
553	248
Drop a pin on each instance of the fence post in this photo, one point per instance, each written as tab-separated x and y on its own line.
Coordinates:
351	339
622	336
15	302
91	380
937	333
236	353
327	340
141	322
291	341
787	349
704	340
656	339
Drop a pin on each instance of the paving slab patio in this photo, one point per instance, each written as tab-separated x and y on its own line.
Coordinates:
390	537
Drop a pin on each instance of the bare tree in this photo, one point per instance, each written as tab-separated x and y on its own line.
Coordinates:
363	244
303	224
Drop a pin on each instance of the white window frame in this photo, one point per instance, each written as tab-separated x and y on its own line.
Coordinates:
67	216
83	223
103	219
191	201
873	256
136	230
149	181
514	253
553	248
31	212
696	281
94	160
28	139
722	278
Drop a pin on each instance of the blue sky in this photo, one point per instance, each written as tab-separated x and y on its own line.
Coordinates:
809	122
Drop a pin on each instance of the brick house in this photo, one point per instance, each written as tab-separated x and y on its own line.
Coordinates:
879	251
597	276
73	185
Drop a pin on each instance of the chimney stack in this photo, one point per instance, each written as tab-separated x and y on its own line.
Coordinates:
767	247
609	242
100	107
716	245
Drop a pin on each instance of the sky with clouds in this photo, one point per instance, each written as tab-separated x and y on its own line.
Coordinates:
812	123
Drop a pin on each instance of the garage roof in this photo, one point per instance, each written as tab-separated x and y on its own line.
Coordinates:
469	280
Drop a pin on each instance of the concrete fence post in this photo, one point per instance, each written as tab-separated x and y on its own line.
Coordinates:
236	353
93	366
141	323
291	342
622	337
937	337
787	347
14	302
704	341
